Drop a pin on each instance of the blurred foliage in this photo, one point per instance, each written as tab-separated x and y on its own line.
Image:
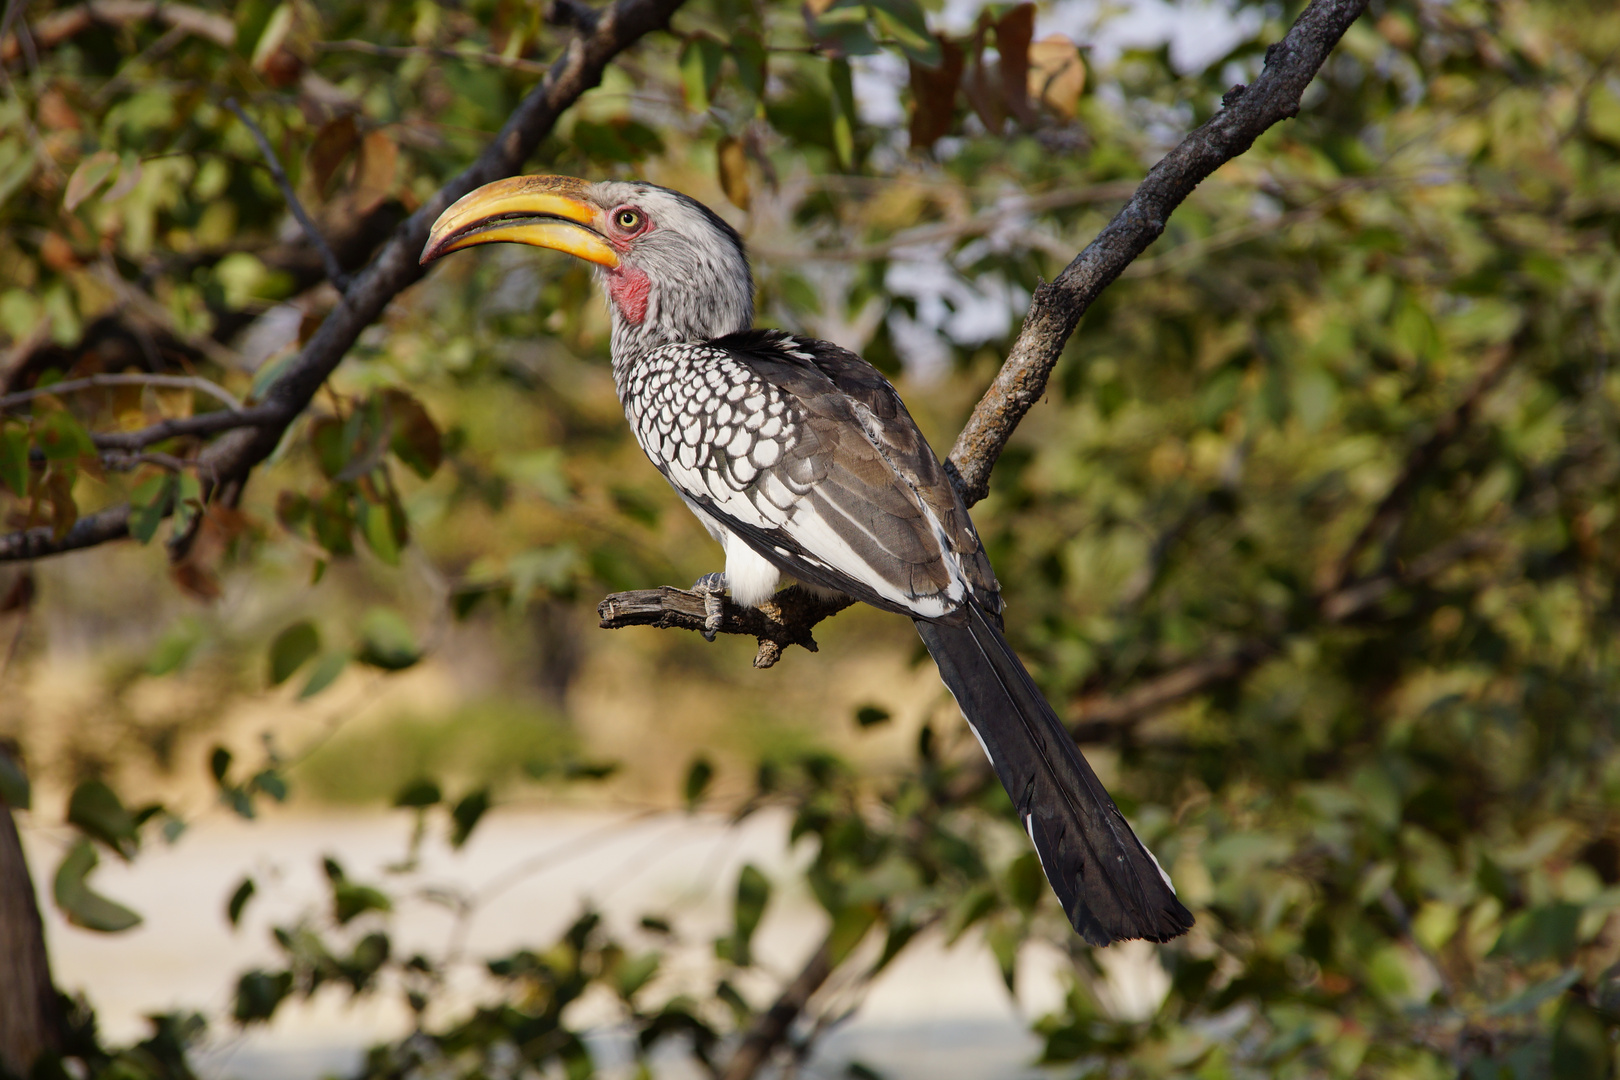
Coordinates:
1338	458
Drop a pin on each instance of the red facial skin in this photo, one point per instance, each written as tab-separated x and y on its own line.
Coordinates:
627	285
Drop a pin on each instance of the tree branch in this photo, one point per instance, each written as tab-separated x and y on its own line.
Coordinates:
252	434
489	59
61	25
773	1026
173	382
1057	306
334	269
785	619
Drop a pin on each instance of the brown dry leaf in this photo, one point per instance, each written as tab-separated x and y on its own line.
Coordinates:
374	172
816	7
1056	74
933	95
983	93
64	511
332	144
57	253
733	161
20	596
198	581
1014	32
55	114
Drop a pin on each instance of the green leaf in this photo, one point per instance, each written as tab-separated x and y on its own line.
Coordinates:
753	893
698	775
386	641
271	783
849	927
870	715
350	901
148	504
422	792
258	993
466	815
324	674
174	649
82	905
239	899
1531	999
15	791
904	21
700	62
62	438
219	763
100	813
1541	933
748	53
292	647
377	525
1581	1044
416	439
1026	882
14	459
635	972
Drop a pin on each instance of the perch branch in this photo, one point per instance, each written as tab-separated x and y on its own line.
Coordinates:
1058	305
785	619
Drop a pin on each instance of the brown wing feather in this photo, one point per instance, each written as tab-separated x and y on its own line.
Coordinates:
867	462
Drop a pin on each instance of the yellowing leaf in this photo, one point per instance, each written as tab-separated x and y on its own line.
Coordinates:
92	172
1056	74
374	172
733	162
333	142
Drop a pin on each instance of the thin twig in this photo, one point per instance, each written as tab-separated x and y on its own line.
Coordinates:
977	225
89	382
211	423
119	461
334	269
513	63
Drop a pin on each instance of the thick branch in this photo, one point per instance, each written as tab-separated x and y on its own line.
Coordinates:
772	1027
255	432
29	1020
395	267
1058	305
88	531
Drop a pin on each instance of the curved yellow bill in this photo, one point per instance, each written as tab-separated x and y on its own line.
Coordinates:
545	211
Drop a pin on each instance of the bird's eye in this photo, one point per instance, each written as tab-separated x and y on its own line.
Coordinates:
628	219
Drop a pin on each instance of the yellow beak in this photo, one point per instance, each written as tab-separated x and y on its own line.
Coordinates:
546	211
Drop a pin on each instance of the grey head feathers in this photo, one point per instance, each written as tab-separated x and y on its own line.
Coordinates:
691	264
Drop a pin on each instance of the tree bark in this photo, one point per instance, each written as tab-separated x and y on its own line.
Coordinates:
29	1020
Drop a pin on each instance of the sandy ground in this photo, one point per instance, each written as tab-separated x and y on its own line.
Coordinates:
935	1013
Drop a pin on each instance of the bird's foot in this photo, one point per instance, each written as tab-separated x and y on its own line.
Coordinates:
712	587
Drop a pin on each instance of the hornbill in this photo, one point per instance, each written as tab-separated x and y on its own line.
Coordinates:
802	461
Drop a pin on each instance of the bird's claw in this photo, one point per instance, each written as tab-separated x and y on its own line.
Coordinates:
712	587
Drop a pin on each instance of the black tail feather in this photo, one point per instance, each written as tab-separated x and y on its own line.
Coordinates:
1110	886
